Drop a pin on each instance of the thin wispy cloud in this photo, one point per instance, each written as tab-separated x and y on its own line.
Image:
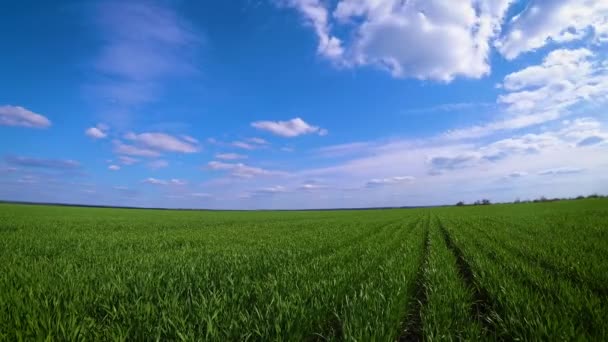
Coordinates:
19	116
43	163
146	44
290	128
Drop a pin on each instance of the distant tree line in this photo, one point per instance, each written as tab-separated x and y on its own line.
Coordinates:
541	199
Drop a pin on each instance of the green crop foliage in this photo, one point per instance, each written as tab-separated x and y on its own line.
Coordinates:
533	271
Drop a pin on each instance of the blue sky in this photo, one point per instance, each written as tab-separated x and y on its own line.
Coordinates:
302	103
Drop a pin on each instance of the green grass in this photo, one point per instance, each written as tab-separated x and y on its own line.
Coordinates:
526	271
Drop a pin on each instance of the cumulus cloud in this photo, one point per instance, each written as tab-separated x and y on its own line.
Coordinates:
241	170
97	132
155	181
451	38
230	156
545	92
316	16
57	164
114	167
290	128
19	116
554	21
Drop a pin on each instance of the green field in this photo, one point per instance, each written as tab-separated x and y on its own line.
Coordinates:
535	271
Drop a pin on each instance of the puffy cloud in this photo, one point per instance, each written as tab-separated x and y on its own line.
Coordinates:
230	156
290	128
317	16
164	142
564	78
97	132
114	167
57	164
389	181
560	171
451	38
241	170
558	21
19	116
155	181
545	92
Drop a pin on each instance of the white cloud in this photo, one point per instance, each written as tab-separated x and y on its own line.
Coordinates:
312	187
131	150
561	171
241	170
144	44
389	181
51	164
19	116
545	92
158	164
557	21
114	167
163	142
201	195
270	190
451	38
289	129
230	156
127	160
517	174
97	132
564	78
258	141
244	145
155	181
316	15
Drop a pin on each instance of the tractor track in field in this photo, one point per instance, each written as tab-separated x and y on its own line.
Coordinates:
412	324
482	305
